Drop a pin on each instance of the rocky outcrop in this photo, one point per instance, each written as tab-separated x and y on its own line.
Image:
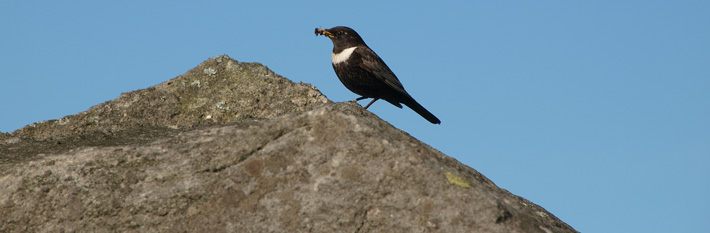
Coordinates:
233	147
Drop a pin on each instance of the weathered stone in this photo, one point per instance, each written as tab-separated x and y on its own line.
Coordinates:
307	165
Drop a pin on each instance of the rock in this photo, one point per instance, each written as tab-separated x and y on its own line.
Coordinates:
219	90
294	163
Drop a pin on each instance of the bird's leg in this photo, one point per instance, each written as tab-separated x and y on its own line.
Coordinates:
373	100
363	97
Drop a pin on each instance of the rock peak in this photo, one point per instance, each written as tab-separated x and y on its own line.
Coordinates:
233	147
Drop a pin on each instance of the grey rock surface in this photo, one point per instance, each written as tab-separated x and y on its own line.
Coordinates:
153	161
219	90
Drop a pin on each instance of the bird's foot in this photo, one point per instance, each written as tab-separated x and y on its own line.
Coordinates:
362	98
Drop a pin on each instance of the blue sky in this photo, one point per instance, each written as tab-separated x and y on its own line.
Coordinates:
598	111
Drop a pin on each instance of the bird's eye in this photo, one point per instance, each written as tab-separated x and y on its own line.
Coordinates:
339	33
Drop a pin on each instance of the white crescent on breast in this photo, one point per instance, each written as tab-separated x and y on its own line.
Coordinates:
342	56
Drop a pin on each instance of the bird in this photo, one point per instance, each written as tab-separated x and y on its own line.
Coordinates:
364	73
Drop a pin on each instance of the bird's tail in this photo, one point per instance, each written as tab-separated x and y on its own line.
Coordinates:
411	103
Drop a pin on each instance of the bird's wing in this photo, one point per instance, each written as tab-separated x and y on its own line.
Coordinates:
374	64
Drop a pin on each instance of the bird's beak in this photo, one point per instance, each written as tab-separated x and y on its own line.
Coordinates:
320	31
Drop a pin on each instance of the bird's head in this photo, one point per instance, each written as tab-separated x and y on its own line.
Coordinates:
343	37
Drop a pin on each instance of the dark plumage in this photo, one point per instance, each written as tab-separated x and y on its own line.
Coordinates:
363	72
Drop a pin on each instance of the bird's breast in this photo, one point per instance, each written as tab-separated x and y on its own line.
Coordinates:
342	56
